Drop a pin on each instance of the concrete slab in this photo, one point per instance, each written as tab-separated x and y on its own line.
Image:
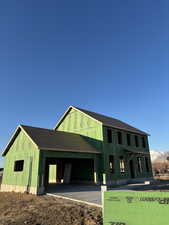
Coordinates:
86	193
90	193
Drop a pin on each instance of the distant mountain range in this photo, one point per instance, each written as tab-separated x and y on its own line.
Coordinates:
158	156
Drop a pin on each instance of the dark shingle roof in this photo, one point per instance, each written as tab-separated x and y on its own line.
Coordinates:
109	121
47	139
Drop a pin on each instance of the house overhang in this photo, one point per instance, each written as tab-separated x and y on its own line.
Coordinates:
136	152
69	150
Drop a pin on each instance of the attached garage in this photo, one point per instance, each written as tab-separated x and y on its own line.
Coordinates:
69	170
38	157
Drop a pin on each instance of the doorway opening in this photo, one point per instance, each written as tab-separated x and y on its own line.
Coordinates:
131	166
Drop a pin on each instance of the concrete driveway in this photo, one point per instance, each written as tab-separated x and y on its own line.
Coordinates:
92	193
86	193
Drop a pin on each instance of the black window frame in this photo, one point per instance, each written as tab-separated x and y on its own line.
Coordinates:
143	142
136	140
119	137
109	136
18	165
128	136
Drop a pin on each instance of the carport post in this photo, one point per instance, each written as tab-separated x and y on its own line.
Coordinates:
104	178
95	171
95	177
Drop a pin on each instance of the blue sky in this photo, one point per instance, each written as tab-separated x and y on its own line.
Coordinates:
106	56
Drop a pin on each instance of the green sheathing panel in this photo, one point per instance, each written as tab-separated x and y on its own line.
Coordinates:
67	155
22	149
136	208
118	150
77	122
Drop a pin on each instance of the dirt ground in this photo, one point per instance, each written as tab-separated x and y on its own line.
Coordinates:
27	209
21	209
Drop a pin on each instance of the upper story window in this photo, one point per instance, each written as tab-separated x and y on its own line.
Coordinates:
111	163
143	142
18	166
109	135
136	140
128	139
119	136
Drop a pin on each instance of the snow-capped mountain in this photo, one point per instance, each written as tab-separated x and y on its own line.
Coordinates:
158	156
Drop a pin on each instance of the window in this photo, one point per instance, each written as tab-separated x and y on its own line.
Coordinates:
136	141
111	163
147	164
128	139
109	135
140	169
143	142
122	165
119	135
18	166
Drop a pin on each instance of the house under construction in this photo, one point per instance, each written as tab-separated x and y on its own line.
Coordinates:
84	147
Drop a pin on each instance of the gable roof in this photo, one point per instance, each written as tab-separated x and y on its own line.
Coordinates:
106	121
46	139
13	137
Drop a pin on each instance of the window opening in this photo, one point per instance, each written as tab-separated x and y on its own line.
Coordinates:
136	141
122	165
119	134
18	166
111	163
109	135
128	139
140	169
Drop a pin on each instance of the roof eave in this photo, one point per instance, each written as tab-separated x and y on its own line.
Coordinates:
13	137
62	117
137	132
68	150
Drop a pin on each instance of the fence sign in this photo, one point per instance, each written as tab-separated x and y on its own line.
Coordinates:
135	208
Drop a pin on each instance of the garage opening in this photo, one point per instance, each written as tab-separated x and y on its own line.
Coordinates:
66	171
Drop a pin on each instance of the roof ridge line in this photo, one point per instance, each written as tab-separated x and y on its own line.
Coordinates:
35	127
99	114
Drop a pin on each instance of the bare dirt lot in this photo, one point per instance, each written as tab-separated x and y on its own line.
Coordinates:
26	209
21	209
